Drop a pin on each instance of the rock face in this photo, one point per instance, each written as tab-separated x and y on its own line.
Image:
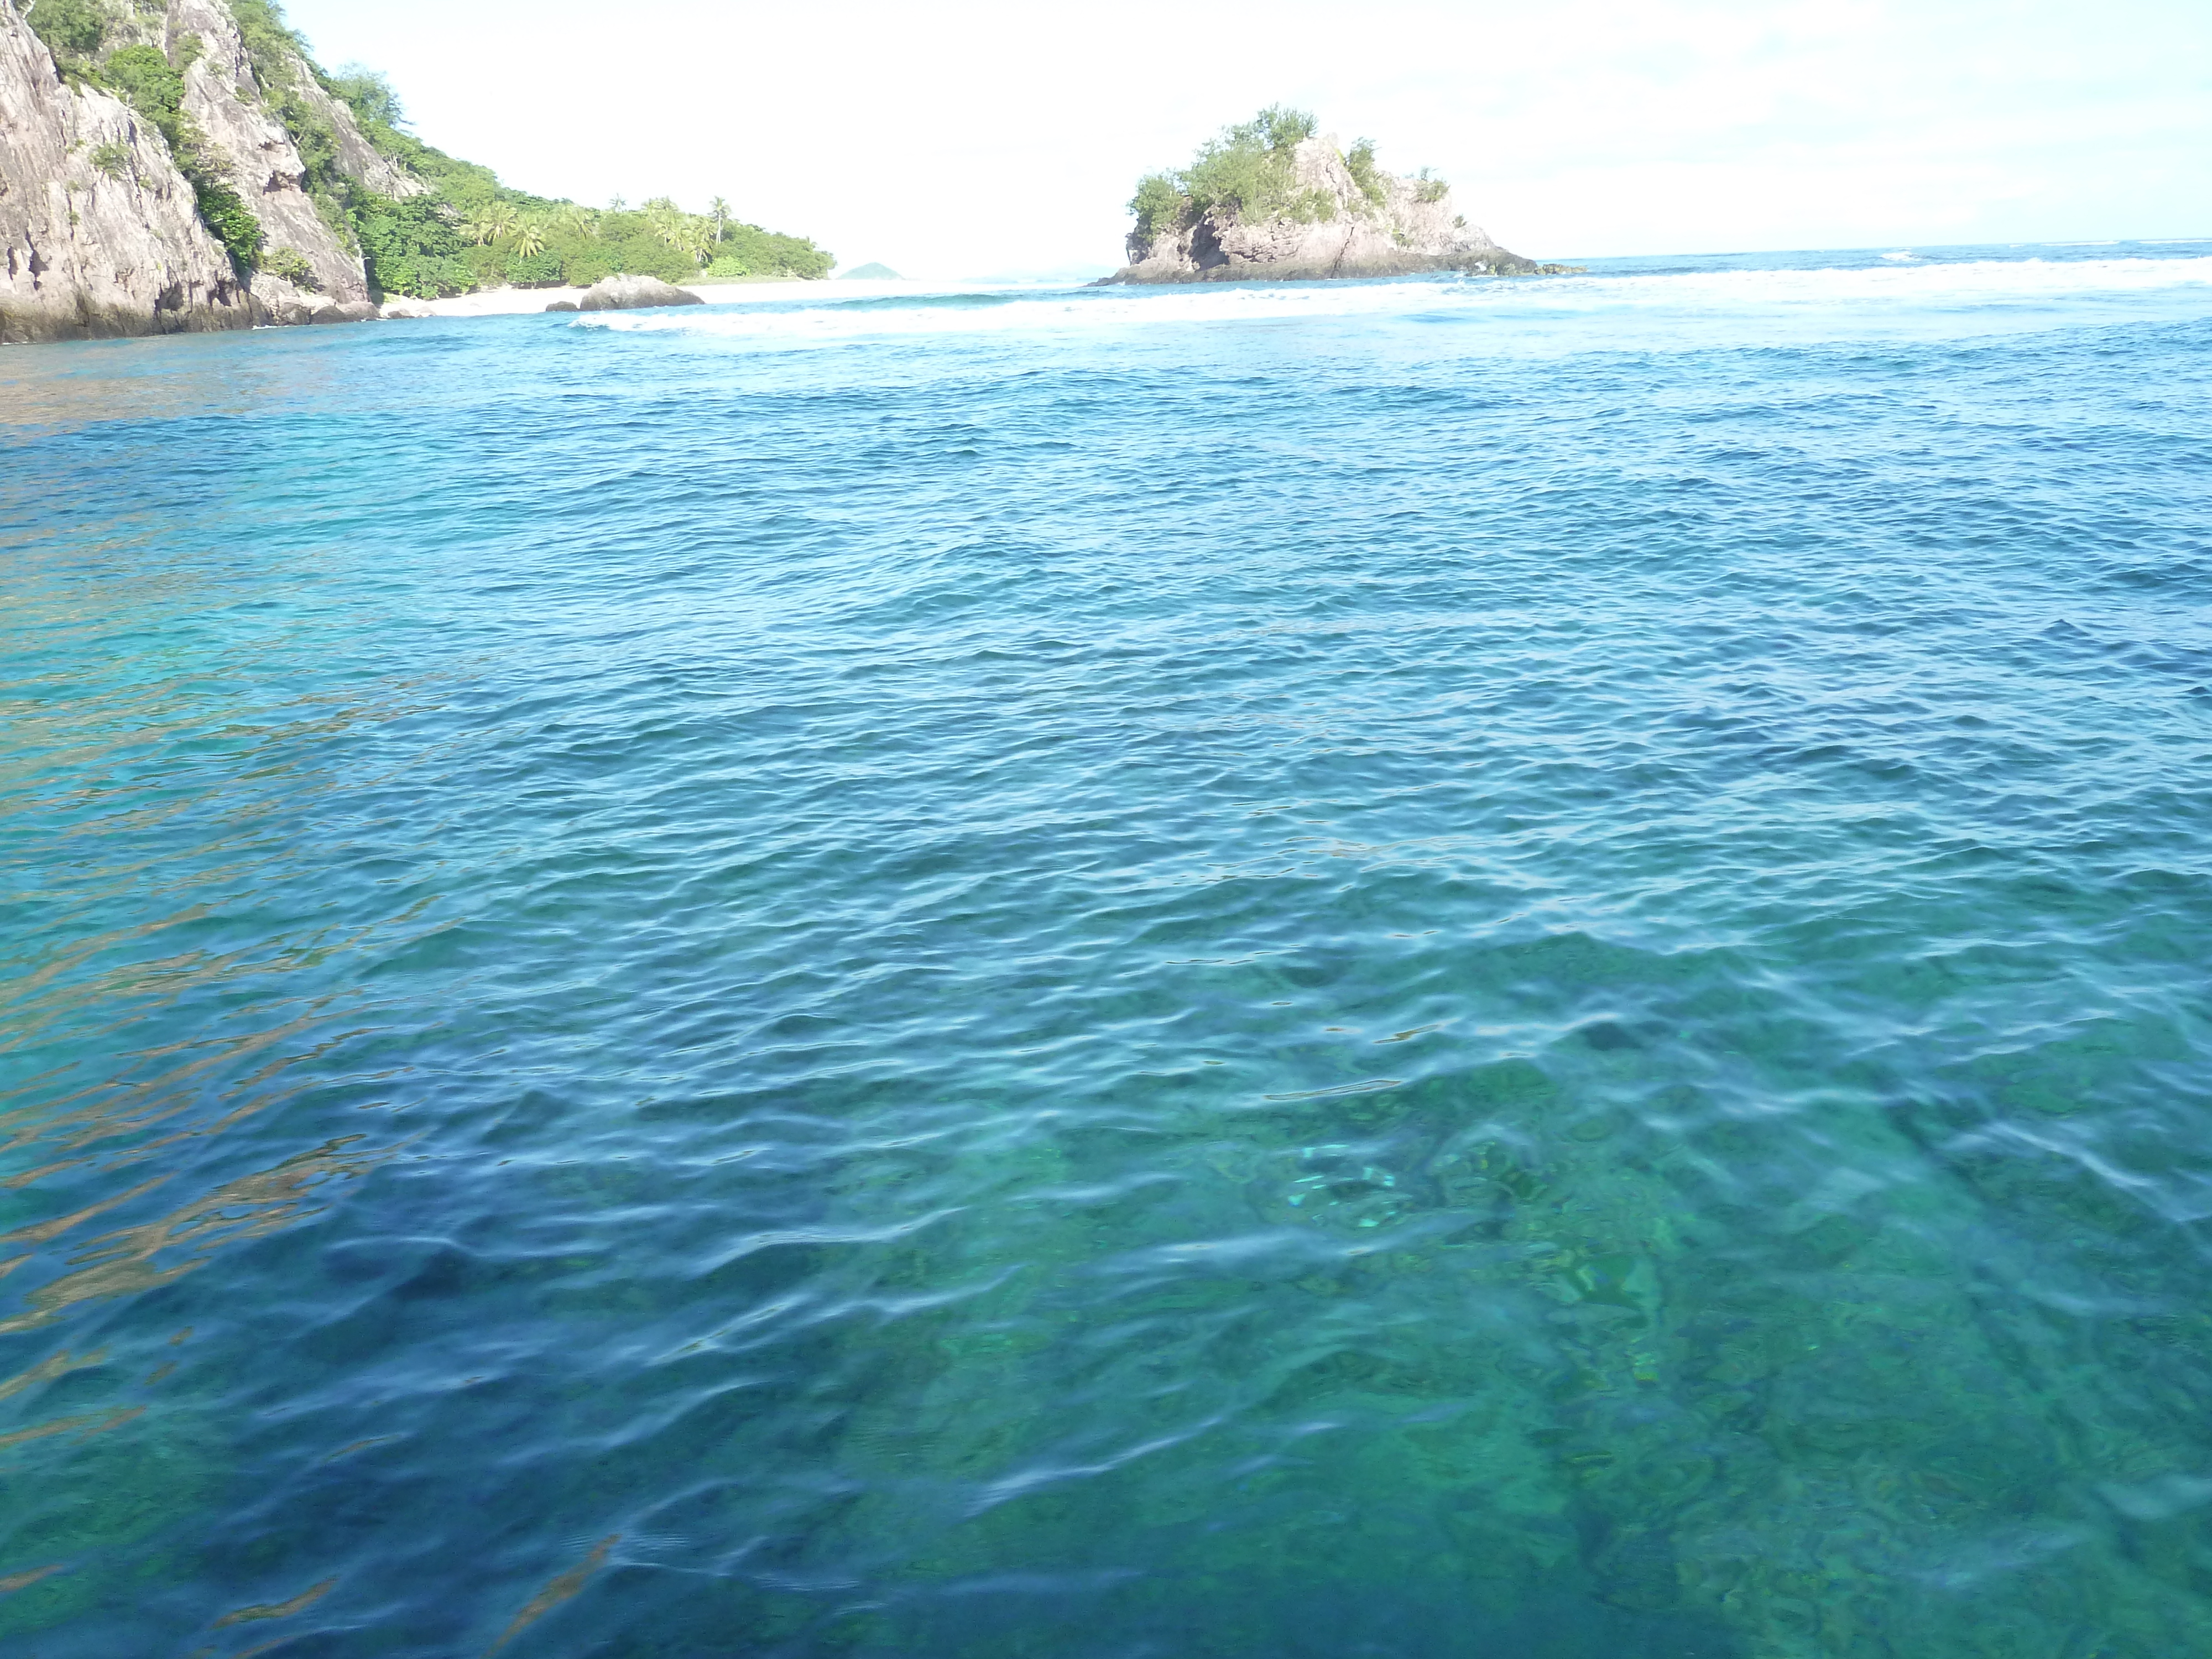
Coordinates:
99	232
1341	229
632	294
103	233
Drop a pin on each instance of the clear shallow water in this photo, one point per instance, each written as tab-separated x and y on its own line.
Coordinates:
1416	968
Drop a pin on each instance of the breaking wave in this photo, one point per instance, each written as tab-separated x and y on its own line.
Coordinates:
1613	305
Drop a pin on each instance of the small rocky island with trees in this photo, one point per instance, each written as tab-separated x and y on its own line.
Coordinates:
1270	199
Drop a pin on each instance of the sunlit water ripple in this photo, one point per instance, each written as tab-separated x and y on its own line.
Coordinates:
1425	968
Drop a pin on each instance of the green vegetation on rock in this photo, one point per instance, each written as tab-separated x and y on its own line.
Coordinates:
1359	159
73	31
1247	170
465	231
292	265
470	231
146	80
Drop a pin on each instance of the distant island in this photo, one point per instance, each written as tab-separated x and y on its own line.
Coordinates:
871	272
1268	198
189	165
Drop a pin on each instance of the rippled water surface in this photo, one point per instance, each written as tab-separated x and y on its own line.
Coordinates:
1426	968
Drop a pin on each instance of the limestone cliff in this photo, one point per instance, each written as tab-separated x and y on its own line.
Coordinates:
96	246
1300	208
105	225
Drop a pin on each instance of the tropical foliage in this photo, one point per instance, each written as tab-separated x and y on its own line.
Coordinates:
1247	171
471	231
147	81
465	231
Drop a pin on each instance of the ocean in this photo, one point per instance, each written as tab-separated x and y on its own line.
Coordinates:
1450	967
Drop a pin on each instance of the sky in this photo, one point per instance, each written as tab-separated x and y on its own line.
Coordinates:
966	139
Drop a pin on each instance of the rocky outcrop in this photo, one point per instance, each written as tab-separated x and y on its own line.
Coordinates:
102	231
1335	225
225	101
633	294
101	235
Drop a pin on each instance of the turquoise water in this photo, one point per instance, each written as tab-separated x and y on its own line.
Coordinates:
1417	969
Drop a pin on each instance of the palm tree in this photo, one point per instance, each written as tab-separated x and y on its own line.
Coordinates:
530	239
718	214
615	203
673	225
573	219
491	222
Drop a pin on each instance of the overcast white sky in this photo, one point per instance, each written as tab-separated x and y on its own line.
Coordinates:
966	139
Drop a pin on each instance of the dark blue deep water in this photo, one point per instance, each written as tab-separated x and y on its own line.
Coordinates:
1429	969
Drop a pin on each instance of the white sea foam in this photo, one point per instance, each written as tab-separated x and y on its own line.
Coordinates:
1903	292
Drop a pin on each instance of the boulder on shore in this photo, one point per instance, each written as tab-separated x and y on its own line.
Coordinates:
634	293
350	311
561	305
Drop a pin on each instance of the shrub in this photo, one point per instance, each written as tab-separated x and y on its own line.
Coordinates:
534	270
149	86
228	218
312	136
292	265
767	253
726	267
1282	128
586	266
410	247
1360	160
367	93
1247	171
70	28
338	216
271	47
1159	205
111	159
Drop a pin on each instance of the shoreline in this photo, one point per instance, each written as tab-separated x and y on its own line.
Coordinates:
524	301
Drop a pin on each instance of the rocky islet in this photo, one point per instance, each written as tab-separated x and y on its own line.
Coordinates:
1300	207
